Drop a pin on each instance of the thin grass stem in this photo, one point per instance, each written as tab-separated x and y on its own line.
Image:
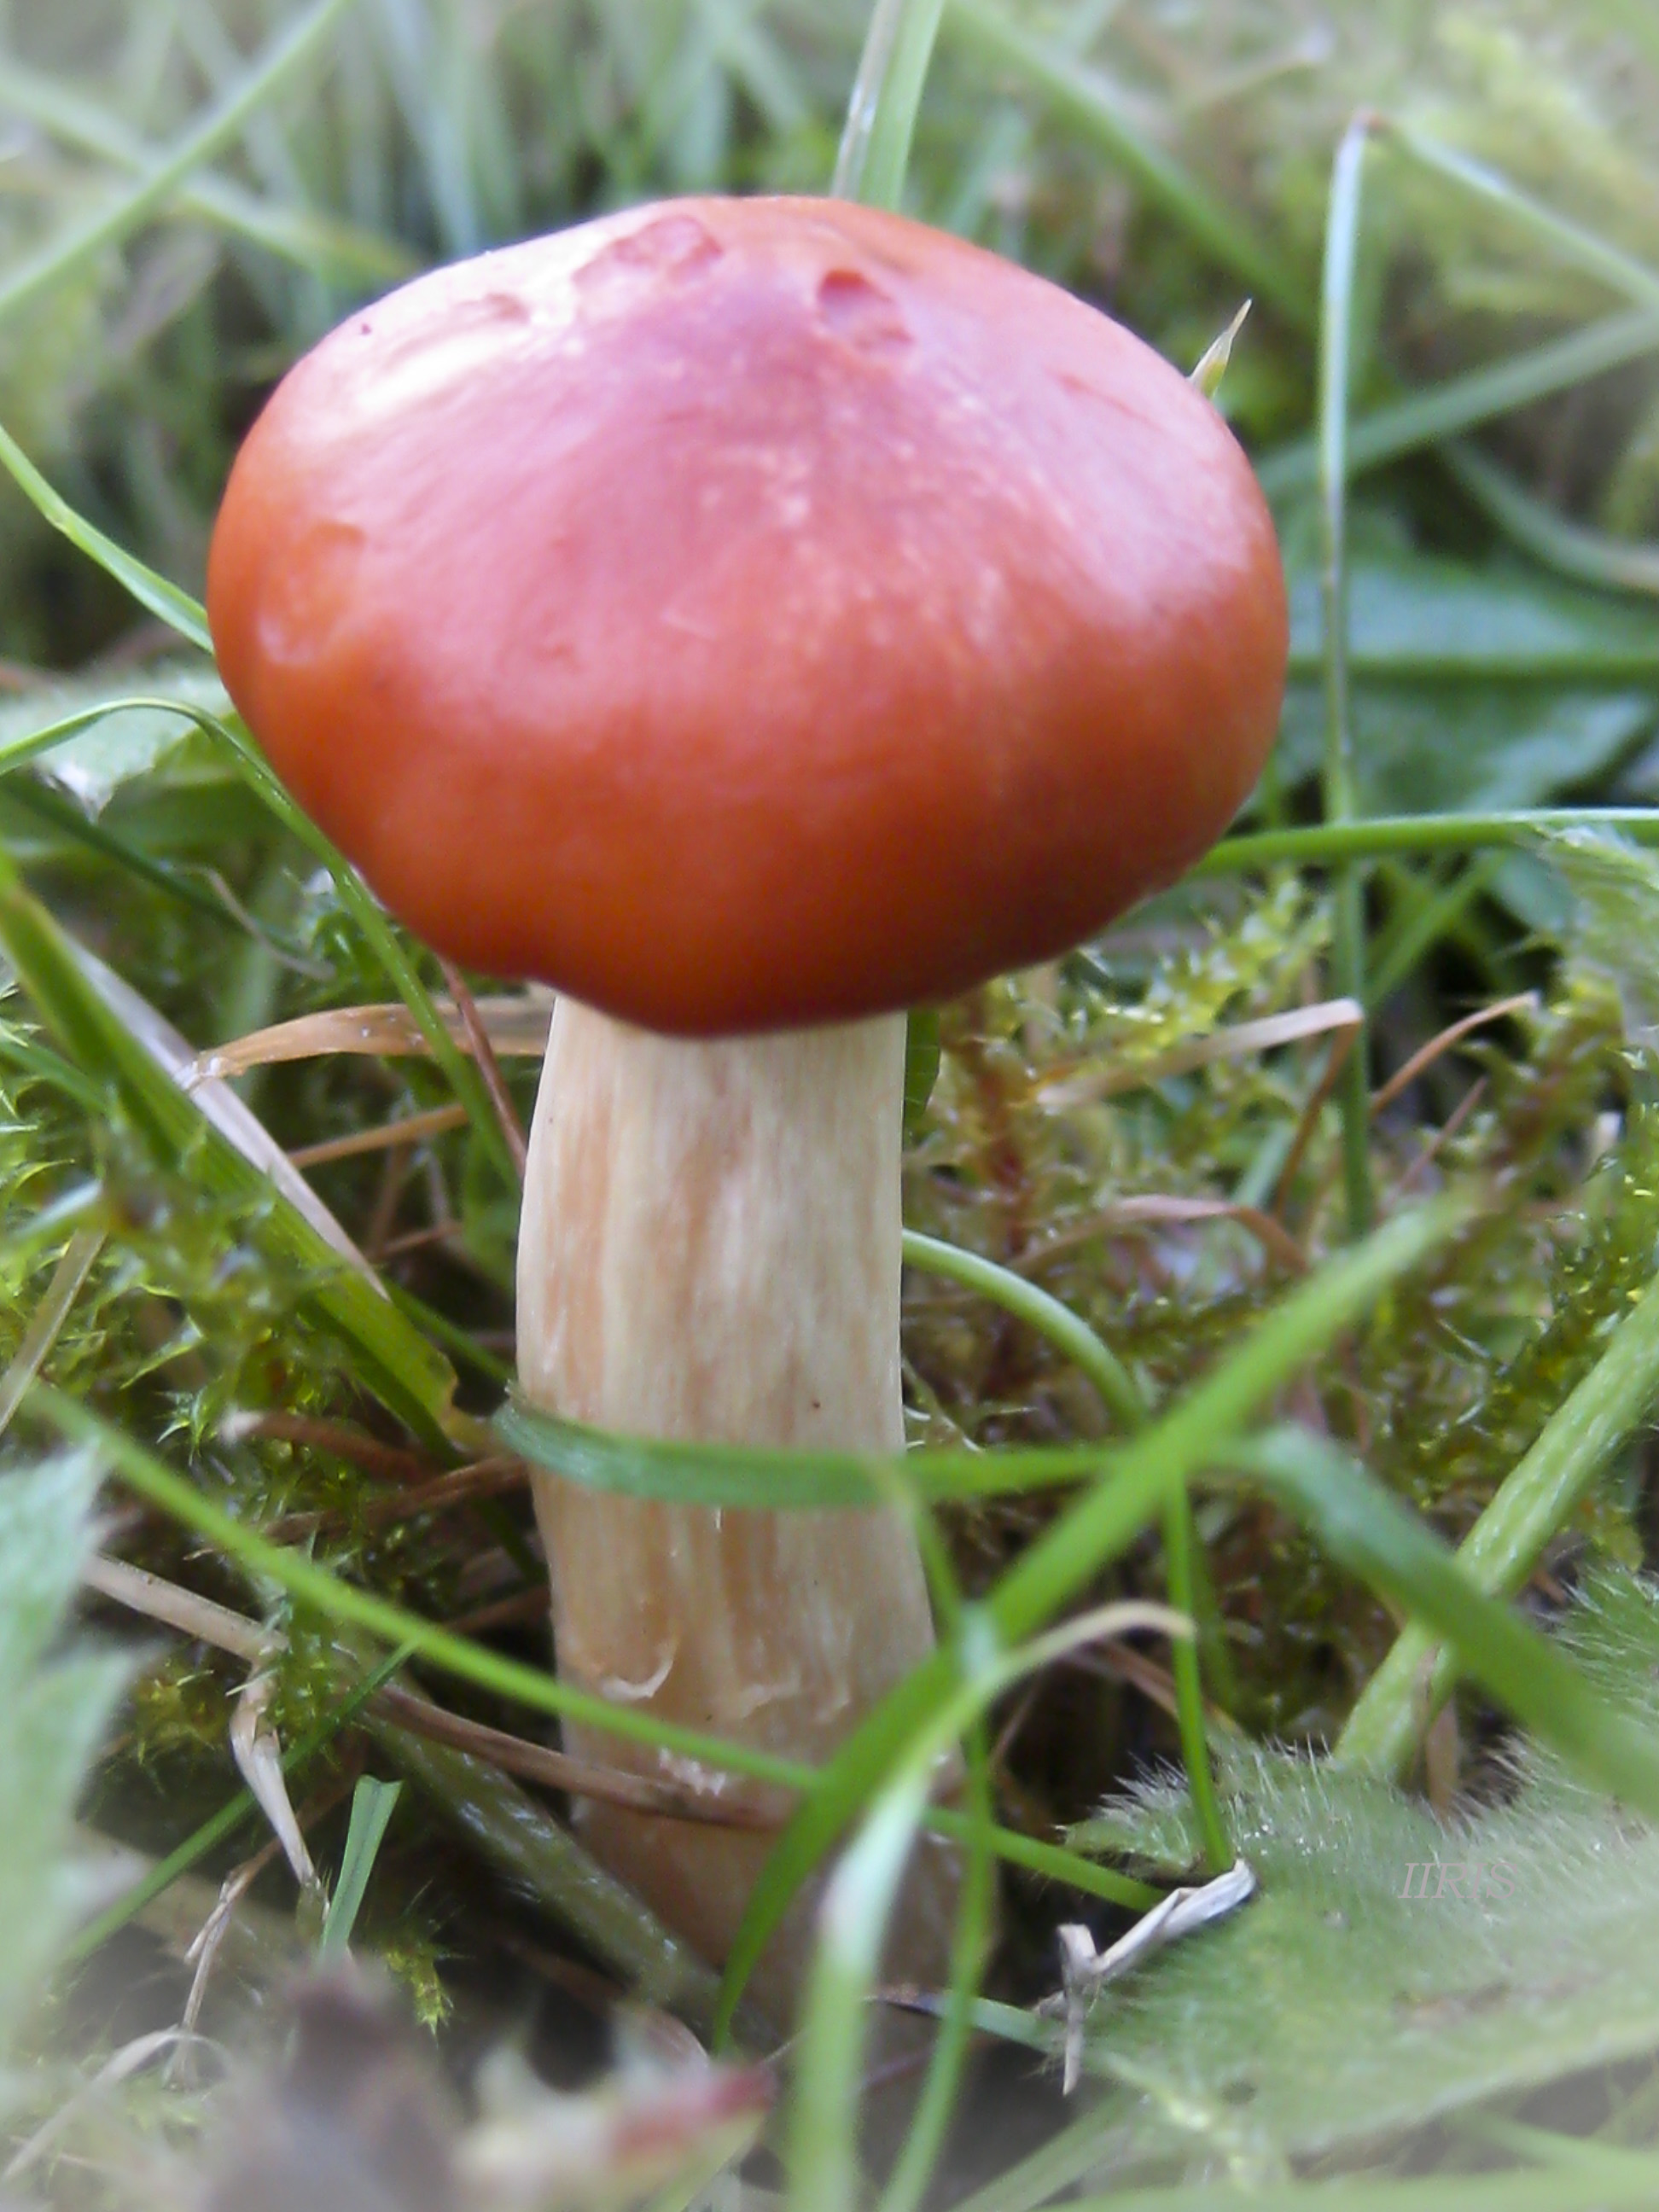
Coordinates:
1463	403
1583	249
1589	556
907	2185
1180	1546
881	116
1342	228
319	243
1075	1340
45	1324
1071	1337
1329	845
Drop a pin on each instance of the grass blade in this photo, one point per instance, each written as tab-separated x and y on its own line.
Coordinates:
1582	248
372	1804
165	601
1591	557
881	116
821	2149
1072	1337
764	1479
1535	1500
1366	1529
1326	845
859	1900
907	2183
316	242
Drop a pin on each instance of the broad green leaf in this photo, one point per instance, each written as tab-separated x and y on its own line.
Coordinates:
1443	746
1472	686
1415	614
121	742
1346	2002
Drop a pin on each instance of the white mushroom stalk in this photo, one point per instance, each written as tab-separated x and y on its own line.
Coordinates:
709	1249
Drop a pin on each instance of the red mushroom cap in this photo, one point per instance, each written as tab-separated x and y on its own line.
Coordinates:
747	613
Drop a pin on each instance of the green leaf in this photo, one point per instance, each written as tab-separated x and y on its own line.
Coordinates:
1414	614
881	116
92	743
372	1804
1344	2003
54	1711
165	601
1478	687
921	1058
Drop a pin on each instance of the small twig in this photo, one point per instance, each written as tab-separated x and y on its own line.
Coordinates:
1273	1235
502	1611
1122	1662
1015	1722
484	1477
395	1168
1341	1045
199	1618
478	1040
1234	1043
390	1460
233	1632
578	1777
419	1240
1425	1056
410	1131
1444	1135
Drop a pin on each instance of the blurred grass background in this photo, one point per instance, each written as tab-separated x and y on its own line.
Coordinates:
1091	141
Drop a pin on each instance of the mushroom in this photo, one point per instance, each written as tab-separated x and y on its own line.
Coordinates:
753	618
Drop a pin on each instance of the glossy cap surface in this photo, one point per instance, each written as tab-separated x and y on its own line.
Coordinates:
746	613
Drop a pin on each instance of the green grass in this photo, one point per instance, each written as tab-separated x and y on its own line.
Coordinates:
1181	1320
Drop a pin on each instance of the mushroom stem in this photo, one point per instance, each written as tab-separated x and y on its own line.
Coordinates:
710	1248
